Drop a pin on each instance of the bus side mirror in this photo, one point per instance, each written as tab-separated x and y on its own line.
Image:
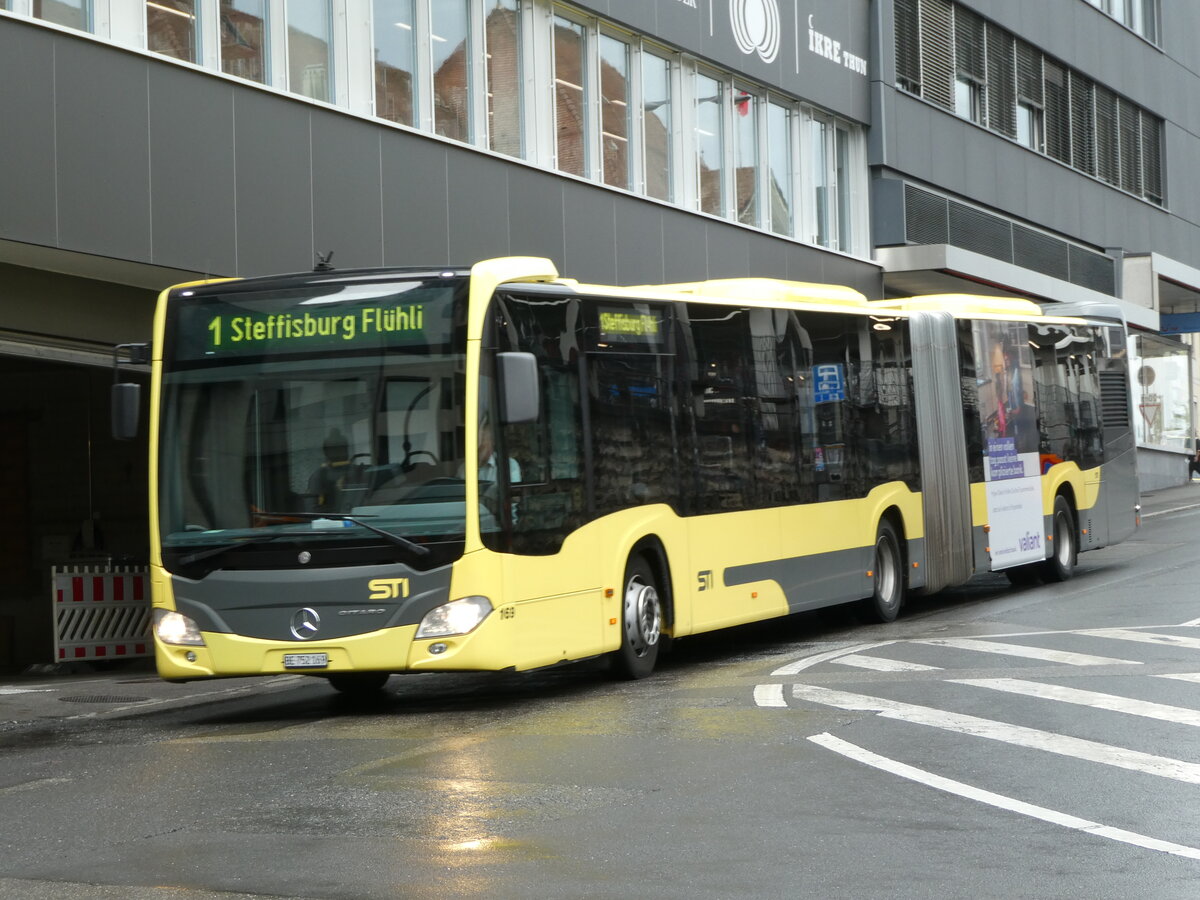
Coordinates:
520	397
126	396
126	404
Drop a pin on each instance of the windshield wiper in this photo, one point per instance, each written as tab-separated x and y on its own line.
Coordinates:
417	550
225	548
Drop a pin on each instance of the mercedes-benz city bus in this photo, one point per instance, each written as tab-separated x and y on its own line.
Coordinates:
358	473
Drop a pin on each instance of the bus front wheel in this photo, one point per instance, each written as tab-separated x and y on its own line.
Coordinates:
884	603
641	622
1061	564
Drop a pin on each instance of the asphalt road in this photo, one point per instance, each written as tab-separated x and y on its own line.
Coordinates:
991	743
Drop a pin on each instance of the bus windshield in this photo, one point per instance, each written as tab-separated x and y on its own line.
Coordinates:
325	414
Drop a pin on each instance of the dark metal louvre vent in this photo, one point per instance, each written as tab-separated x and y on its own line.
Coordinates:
1041	252
925	217
930	218
973	229
1114	399
1092	270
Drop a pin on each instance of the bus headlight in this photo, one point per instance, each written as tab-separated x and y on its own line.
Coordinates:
175	628
456	617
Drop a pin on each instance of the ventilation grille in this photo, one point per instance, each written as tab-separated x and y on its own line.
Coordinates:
933	219
1114	399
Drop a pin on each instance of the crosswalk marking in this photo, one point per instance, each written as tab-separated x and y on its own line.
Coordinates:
882	664
769	695
1017	735
960	789
809	661
1193	677
1057	656
1144	637
1110	702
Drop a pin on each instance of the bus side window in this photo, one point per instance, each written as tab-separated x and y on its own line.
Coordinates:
721	401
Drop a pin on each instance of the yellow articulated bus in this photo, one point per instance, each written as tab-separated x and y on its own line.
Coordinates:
359	473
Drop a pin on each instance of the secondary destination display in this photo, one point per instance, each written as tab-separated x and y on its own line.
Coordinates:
631	325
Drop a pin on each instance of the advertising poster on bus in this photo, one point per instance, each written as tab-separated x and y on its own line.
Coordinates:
1010	443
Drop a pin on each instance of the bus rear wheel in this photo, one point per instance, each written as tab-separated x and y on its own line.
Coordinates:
358	684
641	622
888	572
1065	550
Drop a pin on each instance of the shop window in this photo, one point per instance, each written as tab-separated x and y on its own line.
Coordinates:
171	28
657	128
615	111
449	48
394	38
745	156
310	30
71	13
502	32
244	39
570	109
710	144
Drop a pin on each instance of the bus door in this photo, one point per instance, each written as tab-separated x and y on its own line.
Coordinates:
941	438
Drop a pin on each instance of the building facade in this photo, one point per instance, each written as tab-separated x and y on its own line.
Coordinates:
896	146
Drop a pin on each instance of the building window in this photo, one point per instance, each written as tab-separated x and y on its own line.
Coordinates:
71	13
968	98
745	156
394	36
657	146
834	157
570	110
779	167
1161	391
449	47
1012	88
244	39
1029	126
710	144
615	111
171	28
309	31
502	33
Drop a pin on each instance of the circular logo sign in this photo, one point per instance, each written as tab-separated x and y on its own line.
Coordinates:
756	27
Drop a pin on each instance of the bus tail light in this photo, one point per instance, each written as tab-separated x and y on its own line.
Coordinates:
175	628
456	617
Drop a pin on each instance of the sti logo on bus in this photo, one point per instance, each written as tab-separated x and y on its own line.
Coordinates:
705	580
388	588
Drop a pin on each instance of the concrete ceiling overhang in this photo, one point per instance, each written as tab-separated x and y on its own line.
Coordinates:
944	268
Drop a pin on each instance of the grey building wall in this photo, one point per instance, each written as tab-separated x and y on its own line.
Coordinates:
913	138
123	155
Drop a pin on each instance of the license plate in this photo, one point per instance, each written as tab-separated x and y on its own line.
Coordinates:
305	660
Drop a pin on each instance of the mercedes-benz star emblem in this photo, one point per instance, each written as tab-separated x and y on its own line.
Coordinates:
305	623
304	557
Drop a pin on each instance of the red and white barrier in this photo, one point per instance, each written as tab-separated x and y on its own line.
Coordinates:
100	614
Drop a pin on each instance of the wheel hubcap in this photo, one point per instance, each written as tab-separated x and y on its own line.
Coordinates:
643	620
885	572
1062	538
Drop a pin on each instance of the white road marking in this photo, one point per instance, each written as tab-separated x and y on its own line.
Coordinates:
1191	624
4	690
1143	637
882	664
769	695
1057	656
1018	735
806	662
1193	677
1111	702
851	751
